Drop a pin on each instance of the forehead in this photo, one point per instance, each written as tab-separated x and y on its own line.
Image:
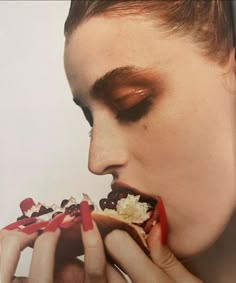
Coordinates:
102	44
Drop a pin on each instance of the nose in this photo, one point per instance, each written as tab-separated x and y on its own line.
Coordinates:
108	147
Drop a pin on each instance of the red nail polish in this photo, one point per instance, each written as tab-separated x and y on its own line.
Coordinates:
34	227
26	204
86	217
18	223
54	223
163	221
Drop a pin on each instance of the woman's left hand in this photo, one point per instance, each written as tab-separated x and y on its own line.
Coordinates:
163	267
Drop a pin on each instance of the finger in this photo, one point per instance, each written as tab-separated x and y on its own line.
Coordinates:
42	265
94	256
165	259
18	224
130	257
4	233
11	245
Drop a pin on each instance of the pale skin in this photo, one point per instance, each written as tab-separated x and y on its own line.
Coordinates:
182	149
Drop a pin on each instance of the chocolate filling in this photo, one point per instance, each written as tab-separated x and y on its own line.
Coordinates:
114	196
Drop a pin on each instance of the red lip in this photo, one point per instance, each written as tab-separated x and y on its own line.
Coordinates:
123	186
120	185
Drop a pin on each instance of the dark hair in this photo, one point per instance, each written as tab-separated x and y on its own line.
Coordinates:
207	23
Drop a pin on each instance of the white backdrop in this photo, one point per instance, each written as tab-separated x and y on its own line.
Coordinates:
44	136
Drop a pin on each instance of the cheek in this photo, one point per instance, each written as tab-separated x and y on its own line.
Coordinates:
183	145
192	169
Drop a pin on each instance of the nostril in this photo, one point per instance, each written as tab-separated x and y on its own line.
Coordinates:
102	169
112	169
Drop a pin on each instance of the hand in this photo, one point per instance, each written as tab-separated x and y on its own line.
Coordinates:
14	239
12	242
162	267
95	268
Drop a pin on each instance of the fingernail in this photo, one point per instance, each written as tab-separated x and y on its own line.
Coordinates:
18	223
163	221
34	227
86	217
54	223
26	204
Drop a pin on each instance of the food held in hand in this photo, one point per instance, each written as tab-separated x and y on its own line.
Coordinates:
122	209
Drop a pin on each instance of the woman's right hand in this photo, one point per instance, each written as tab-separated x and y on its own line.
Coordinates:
43	259
11	244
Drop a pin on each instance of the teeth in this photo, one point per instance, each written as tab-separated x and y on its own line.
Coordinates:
125	191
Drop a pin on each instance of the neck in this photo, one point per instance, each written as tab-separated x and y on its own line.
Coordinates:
217	264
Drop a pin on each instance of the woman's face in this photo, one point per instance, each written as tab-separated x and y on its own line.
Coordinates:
162	121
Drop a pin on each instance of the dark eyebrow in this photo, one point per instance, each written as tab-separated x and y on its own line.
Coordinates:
118	77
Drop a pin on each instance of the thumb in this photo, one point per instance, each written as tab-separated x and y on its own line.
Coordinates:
163	257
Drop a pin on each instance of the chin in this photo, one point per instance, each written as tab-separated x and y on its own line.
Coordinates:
192	242
184	249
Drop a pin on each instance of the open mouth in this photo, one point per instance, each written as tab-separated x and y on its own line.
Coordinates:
128	204
119	193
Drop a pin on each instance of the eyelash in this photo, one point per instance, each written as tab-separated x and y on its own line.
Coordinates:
132	114
88	116
136	112
90	132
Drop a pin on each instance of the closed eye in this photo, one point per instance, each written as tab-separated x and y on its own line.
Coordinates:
132	114
135	112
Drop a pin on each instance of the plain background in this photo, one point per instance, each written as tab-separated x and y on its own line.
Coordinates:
44	136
